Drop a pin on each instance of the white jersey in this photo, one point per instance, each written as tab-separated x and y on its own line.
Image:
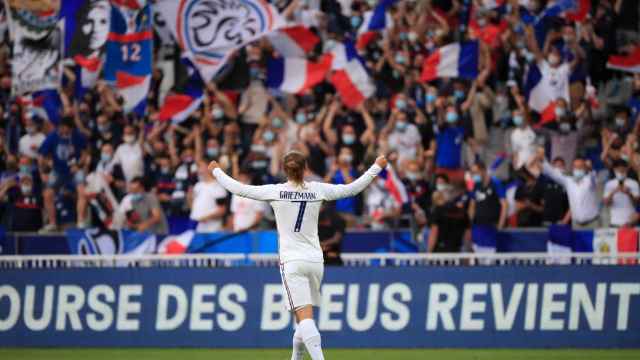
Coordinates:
297	209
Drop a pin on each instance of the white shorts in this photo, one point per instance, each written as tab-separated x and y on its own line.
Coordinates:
301	283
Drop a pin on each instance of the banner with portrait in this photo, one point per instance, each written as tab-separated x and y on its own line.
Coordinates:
37	47
208	31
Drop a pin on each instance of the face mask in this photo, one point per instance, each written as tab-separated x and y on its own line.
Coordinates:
620	176
529	57
136	197
553	59
78	177
458	94
452	117
560	112
25	169
268	136
624	157
165	170
517	120
565	127
258	148
401	104
403	36
346	159
477	178
400	59
413	176
348	139
578	173
213	152
259	164
482	22
413	36
401	125
620	122
31	130
301	118
104	157
217	113
129	139
277	123
429	98
103	128
26	189
442	187
355	21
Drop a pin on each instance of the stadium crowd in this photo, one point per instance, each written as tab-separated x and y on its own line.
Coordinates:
468	151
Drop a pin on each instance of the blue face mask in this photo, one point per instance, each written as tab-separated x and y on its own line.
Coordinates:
458	94
429	98
401	125
579	173
105	157
25	169
277	122
136	197
477	178
268	136
401	104
355	21
518	120
400	59
348	139
452	117
301	118
212	152
403	36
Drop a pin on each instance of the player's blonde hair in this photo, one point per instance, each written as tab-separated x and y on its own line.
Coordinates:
294	165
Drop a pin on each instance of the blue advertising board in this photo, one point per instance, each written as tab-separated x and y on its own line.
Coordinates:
496	307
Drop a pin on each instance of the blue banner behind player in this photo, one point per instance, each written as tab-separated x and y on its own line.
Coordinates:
129	52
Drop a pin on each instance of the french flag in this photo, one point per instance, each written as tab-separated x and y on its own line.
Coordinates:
394	185
629	63
548	114
537	94
350	76
45	104
134	90
87	72
180	104
600	241
296	41
176	244
459	60
296	75
372	22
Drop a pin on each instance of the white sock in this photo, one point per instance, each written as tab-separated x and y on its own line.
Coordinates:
298	346
311	337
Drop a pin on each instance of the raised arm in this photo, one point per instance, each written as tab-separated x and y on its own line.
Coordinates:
262	193
335	192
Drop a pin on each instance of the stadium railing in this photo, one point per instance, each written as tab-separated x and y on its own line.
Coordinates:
351	259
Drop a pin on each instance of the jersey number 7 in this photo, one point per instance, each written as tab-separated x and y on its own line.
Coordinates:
298	225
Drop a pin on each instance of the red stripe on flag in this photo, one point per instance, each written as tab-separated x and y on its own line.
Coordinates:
365	39
302	36
132	4
584	6
135	37
430	67
631	60
349	93
124	80
91	64
174	104
393	189
317	71
627	242
548	115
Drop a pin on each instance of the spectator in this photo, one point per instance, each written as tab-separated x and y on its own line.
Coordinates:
25	204
487	209
141	211
581	190
529	200
556	203
343	172
129	154
208	204
247	213
449	221
31	141
331	230
621	196
450	137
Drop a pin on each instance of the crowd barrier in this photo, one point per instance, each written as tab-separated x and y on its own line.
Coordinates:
504	301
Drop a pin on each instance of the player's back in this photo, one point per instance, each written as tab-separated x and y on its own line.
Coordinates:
297	209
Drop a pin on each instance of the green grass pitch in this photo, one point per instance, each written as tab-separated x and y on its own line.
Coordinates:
330	354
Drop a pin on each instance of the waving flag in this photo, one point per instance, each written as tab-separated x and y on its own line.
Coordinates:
629	63
129	53
186	99
374	21
209	31
176	244
459	60
394	185
295	75
350	77
45	104
295	41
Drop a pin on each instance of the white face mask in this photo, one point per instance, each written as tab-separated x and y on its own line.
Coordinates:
129	139
553	59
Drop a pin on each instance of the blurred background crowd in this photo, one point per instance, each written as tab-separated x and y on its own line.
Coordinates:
467	151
